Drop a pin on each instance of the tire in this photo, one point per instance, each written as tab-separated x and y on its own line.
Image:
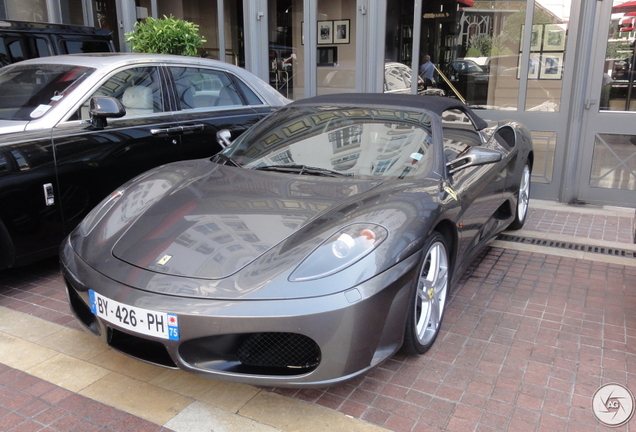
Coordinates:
428	300
523	200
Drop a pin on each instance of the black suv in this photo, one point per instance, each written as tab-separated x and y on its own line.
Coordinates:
21	40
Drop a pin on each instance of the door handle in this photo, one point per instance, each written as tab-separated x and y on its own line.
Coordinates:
49	196
177	129
171	130
193	128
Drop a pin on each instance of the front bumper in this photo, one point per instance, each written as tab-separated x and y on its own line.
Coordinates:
313	341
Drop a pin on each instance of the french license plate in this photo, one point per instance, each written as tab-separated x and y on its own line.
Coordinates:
139	320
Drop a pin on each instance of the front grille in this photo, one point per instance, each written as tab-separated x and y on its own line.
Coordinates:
279	350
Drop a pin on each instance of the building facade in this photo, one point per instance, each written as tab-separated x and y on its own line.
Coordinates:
564	68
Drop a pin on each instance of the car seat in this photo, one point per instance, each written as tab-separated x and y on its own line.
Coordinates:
137	100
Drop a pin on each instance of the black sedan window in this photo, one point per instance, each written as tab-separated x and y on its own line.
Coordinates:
138	89
204	88
338	142
29	92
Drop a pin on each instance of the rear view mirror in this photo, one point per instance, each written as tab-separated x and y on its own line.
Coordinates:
474	156
103	107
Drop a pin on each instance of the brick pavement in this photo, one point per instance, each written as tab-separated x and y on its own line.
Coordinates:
528	337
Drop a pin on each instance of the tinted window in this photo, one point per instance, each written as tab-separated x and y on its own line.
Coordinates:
138	89
42	48
4	164
250	96
85	46
29	92
204	88
15	50
4	55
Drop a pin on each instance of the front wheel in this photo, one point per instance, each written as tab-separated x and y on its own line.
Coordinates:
426	308
523	200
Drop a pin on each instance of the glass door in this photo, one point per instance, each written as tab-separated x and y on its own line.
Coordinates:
608	167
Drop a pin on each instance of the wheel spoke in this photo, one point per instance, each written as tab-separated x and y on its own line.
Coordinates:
431	293
524	189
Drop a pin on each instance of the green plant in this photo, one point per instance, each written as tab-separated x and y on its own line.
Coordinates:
167	35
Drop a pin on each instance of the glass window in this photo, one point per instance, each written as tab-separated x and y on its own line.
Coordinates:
138	89
614	162
15	50
4	164
204	13
85	46
5	59
348	141
204	88
473	51
618	92
336	46
29	92
459	134
285	48
42	48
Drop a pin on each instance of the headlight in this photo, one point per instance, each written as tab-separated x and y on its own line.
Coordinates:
99	211
339	251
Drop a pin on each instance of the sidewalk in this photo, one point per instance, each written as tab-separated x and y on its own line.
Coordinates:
529	335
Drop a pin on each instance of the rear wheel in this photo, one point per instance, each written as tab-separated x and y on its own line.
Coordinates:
523	200
428	301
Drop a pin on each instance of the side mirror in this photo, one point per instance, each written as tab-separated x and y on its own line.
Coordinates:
223	137
474	156
103	107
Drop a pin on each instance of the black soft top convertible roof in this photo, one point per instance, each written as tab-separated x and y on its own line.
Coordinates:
436	104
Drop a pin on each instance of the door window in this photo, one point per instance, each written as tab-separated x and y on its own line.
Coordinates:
199	88
459	134
618	92
138	89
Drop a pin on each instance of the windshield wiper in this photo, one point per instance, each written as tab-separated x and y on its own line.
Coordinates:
302	169
226	159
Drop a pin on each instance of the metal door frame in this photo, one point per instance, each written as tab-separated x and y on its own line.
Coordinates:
594	121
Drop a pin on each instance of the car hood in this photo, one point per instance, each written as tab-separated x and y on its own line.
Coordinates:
216	225
10	126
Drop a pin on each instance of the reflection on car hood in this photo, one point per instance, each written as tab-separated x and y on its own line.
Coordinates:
218	224
10	126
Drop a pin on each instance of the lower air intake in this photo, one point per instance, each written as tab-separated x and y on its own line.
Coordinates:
279	350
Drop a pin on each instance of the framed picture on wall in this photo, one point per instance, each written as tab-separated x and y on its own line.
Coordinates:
325	32
553	38
551	66
327	56
534	66
341	32
535	37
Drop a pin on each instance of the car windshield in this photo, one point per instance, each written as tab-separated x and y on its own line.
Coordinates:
336	141
30	91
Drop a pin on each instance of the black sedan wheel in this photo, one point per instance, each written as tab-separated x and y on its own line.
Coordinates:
523	200
429	300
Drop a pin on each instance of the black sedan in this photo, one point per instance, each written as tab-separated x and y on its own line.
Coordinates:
313	248
60	155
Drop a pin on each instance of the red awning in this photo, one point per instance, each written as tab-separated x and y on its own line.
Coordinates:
629	6
471	3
